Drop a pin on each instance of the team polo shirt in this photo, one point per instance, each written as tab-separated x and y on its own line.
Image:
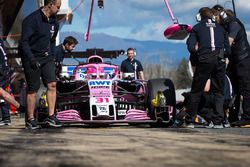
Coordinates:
59	53
129	66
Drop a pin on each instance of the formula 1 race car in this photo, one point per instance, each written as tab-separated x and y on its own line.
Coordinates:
95	93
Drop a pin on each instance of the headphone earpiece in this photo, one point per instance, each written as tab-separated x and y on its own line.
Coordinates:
198	17
223	15
213	18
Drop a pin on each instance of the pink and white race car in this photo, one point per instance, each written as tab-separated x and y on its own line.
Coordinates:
94	93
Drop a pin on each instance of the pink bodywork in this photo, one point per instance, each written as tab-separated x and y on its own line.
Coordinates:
97	70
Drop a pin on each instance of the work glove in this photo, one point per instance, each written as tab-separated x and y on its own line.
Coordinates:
35	65
21	109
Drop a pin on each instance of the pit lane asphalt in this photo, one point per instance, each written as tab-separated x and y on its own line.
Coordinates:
122	146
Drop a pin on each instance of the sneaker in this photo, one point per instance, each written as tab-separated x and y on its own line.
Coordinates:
218	126
226	124
209	125
32	124
5	122
189	125
53	121
177	124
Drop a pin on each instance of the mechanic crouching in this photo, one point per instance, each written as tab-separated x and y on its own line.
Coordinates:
39	30
212	44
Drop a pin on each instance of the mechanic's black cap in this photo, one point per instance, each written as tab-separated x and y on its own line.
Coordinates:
218	7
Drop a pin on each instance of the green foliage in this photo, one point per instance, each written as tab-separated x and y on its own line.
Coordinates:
166	69
182	75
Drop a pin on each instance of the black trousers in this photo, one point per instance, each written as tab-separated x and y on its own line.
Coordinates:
239	73
210	66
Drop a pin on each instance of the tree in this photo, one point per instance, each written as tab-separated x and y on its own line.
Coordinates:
183	79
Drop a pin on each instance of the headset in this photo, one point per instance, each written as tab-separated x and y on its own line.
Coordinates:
134	49
198	17
223	15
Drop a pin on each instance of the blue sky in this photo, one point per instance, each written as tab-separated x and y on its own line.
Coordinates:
144	19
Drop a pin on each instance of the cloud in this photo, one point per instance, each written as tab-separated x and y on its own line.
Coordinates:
242	4
152	31
146	19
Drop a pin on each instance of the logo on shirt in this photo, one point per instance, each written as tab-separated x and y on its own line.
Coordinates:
52	31
210	23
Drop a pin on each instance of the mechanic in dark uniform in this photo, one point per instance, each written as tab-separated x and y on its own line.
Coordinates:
212	42
239	62
39	30
4	82
131	65
67	46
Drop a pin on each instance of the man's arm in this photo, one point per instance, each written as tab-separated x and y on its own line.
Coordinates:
27	32
140	69
122	70
53	41
141	75
234	28
231	40
8	98
3	58
192	42
227	45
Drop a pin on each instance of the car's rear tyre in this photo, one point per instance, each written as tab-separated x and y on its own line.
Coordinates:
168	89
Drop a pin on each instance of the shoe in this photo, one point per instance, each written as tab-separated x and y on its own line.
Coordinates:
190	125
226	124
209	125
218	126
53	121
5	122
241	123
32	124
177	124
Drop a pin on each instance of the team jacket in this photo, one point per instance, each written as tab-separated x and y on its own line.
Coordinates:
38	35
210	36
